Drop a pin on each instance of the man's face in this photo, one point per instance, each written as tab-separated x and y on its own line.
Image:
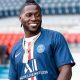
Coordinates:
31	18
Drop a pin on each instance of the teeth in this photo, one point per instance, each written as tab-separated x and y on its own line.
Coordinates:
33	24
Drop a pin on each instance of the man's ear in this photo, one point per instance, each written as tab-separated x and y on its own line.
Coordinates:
20	18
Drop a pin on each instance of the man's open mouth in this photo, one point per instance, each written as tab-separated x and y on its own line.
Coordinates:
33	24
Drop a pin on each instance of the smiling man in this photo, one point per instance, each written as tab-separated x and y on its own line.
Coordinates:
41	54
31	19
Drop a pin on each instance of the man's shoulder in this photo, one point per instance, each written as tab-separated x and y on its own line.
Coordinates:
51	32
17	45
55	36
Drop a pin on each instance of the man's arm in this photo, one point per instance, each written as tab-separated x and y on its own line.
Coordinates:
12	69
65	72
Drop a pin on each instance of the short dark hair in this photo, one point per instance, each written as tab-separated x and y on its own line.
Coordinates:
30	2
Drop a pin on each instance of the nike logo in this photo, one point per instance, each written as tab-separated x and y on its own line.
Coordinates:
17	55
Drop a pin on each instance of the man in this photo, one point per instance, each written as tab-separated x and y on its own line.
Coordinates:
41	54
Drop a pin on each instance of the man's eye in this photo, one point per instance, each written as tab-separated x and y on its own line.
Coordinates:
37	15
29	15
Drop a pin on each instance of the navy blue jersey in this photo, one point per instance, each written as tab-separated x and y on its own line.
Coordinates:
50	52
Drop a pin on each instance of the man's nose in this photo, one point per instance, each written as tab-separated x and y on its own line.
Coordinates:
33	17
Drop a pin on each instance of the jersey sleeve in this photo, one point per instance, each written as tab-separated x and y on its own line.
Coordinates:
62	53
12	69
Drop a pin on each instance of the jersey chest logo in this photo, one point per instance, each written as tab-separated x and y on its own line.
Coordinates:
40	48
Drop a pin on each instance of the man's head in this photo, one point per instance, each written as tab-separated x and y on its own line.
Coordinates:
31	17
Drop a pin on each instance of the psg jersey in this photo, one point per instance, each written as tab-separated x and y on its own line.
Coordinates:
50	51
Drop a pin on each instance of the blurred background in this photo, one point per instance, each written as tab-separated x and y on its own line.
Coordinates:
59	15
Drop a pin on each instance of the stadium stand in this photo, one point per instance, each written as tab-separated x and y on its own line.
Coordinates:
49	7
72	38
78	39
9	39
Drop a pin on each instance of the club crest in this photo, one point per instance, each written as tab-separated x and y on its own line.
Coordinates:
40	48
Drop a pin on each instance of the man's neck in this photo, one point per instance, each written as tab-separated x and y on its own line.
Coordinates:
30	34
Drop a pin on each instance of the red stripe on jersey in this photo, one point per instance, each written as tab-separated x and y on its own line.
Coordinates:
32	78
29	50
